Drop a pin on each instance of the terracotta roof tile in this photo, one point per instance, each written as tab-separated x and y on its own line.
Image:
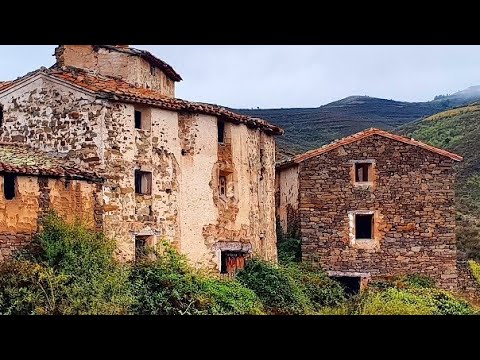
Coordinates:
21	159
117	89
362	135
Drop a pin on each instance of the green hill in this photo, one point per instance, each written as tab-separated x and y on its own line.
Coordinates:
308	128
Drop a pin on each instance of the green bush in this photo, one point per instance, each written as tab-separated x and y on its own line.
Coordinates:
96	283
279	293
316	285
475	269
410	295
394	301
169	285
289	250
230	297
27	288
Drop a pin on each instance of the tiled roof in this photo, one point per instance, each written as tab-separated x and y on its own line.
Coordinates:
120	90
147	56
21	159
5	84
362	135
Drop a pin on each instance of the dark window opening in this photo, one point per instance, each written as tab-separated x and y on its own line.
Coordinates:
67	184
262	167
1	115
221	132
140	247
351	284
364	226
363	172
152	70
143	182
9	181
232	262
222	185
138	119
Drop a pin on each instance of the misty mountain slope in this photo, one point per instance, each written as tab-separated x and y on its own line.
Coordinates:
308	128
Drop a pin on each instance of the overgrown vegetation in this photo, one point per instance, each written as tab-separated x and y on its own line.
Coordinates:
475	268
72	270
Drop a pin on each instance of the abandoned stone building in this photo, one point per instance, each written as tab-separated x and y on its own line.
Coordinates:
33	183
195	174
372	205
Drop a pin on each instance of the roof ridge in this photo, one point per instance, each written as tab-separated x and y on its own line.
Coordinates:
361	135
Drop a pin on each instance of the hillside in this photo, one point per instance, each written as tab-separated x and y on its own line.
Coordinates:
457	130
308	128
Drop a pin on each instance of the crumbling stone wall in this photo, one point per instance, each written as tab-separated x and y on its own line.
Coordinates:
55	118
20	217
132	69
287	207
413	201
181	151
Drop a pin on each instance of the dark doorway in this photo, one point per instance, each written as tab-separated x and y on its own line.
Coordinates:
232	262
351	284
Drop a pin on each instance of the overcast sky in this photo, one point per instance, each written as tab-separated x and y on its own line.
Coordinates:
294	76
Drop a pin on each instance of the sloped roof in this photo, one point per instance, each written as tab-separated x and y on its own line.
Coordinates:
147	56
21	159
362	135
119	90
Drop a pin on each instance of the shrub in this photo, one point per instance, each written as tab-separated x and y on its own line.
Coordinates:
169	285
317	286
394	301
289	250
279	293
28	288
475	269
96	283
230	297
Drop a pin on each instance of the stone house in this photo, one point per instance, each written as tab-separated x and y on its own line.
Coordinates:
195	174
372	205
32	184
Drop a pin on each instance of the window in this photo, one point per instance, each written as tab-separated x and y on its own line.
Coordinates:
152	70
143	182
221	132
138	119
232	262
222	184
1	115
363	172
9	181
363	226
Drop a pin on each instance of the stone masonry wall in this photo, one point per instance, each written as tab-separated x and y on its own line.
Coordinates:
20	217
181	151
132	69
413	200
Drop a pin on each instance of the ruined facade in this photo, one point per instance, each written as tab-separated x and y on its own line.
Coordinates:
32	184
373	205
195	174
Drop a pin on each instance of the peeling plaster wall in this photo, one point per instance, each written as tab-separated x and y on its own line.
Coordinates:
19	217
156	150
287	207
181	151
132	69
413	201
